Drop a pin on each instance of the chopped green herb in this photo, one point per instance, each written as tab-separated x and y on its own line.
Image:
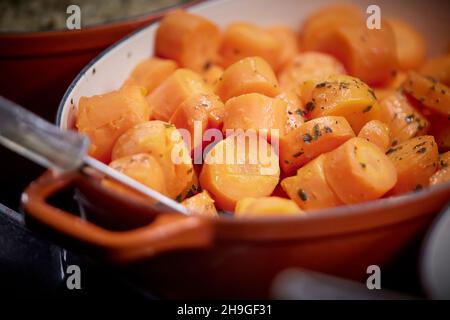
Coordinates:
327	129
302	194
299	112
321	85
422	150
298	154
169	125
178	198
394	143
363	165
367	109
309	106
316	131
307	138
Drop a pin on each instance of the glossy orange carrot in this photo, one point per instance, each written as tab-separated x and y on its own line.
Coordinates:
415	160
311	139
202	110
236	168
390	87
241	40
289	42
163	141
438	68
376	132
295	113
189	39
105	117
266	207
180	85
257	112
344	96
359	171
212	75
309	187
311	66
150	73
319	25
249	75
368	54
142	167
201	204
410	44
404	120
431	93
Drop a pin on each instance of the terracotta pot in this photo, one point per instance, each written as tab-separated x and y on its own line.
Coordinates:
37	67
185	256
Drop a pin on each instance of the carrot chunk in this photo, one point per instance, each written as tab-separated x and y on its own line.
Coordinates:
344	96
249	75
105	117
410	45
431	93
191	40
415	160
376	132
238	167
359	171
257	112
150	73
201	204
163	141
311	139
438	68
309	188
289	43
180	85
241	40
199	112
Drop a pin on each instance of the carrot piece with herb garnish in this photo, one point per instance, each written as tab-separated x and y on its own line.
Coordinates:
359	171
311	139
415	161
201	204
309	187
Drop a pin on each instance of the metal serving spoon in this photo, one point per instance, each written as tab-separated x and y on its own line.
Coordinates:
46	144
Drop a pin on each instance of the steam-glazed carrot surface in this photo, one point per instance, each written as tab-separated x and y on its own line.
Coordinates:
347	113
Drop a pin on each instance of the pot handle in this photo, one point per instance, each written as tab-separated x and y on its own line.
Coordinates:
169	231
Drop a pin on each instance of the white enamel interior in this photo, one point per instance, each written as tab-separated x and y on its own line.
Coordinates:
431	18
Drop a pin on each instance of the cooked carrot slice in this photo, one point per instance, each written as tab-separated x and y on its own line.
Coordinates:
266	207
440	176
241	40
431	93
201	204
415	160
180	85
438	68
191	40
249	75
105	117
201	111
444	160
344	96
318	26
295	114
257	112
289	43
238	167
368	54
309	188
212	75
359	171
163	141
150	73
404	121
142	167
311	139
309	66
410	45
376	132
